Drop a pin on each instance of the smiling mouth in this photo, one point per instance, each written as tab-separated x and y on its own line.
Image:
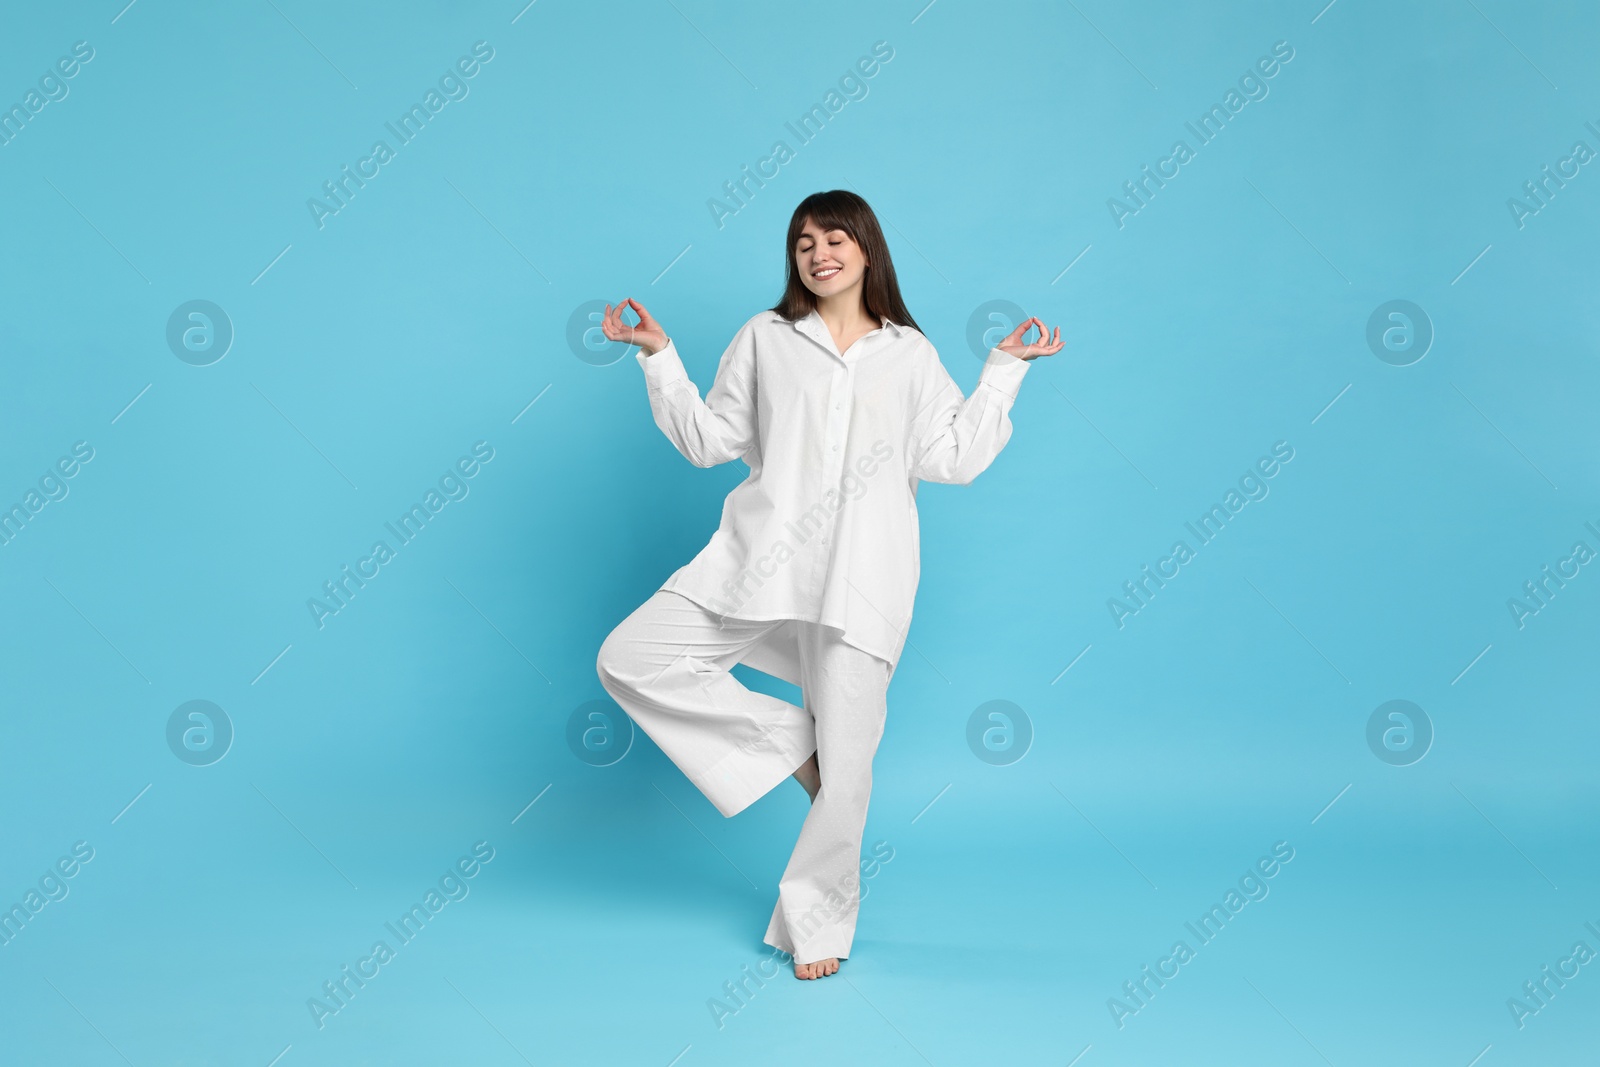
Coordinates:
823	275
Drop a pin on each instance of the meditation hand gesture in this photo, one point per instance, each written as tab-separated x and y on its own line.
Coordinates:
647	334
1044	346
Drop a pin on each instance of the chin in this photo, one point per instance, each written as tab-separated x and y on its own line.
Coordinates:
824	288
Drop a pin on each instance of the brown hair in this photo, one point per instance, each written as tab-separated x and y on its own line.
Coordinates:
840	209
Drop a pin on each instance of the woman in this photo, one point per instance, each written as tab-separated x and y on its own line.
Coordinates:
839	405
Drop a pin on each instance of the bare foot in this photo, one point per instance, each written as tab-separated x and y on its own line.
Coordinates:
820	969
810	777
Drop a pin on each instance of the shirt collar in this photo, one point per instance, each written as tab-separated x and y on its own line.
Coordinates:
811	325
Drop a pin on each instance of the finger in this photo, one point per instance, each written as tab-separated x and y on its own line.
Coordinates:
1044	335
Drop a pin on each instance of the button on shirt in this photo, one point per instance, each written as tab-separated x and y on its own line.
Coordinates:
824	529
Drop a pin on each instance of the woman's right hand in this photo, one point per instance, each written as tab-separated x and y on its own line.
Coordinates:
648	334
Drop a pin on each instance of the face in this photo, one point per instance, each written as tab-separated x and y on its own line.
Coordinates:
829	261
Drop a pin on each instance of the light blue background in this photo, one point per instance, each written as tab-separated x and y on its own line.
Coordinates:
429	313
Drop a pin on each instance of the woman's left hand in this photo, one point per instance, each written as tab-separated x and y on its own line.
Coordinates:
1044	346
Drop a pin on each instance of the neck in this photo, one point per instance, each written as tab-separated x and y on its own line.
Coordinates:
843	312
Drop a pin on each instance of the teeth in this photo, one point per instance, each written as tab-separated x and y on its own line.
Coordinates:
826	273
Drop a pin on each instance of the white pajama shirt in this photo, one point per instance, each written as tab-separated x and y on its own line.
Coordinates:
824	529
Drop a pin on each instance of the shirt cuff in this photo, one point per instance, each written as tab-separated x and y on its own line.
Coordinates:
662	370
1003	371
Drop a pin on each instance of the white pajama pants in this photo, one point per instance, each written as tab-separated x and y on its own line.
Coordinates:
667	666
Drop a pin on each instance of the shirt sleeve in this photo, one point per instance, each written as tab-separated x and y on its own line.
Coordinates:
955	438
720	427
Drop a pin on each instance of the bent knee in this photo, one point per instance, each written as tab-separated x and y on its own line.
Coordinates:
608	660
615	663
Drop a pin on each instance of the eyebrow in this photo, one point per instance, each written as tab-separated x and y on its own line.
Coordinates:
836	229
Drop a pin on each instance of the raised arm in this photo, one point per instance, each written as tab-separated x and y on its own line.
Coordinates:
710	431
956	438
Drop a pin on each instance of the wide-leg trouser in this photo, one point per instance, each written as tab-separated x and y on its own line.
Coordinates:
667	665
